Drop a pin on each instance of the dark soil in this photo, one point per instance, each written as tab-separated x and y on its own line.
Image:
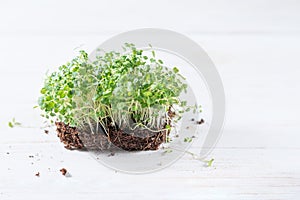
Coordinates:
137	140
63	171
69	136
97	141
201	121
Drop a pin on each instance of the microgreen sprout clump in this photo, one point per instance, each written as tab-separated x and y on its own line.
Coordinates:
117	89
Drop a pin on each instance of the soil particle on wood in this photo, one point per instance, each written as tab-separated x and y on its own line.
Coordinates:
201	121
111	154
63	171
46	131
37	174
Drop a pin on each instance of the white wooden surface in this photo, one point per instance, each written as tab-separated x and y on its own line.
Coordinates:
255	46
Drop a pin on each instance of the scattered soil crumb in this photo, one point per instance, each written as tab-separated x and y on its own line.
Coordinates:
201	121
7	153
193	136
46	131
192	119
176	135
63	171
111	154
37	174
187	127
31	156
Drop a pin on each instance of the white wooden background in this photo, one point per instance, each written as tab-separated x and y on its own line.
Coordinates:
255	45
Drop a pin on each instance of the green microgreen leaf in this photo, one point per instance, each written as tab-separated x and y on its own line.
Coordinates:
188	139
209	162
175	69
168	151
153	53
168	127
10	124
